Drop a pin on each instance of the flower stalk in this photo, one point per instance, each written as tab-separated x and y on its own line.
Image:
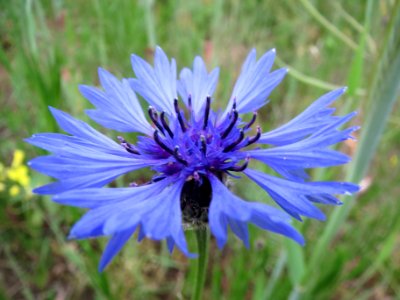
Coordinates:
202	239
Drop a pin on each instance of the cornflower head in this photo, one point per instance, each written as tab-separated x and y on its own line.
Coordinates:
192	150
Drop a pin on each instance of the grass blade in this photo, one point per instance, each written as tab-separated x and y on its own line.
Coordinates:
387	88
328	25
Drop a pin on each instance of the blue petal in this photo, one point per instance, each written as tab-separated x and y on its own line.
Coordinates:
293	196
170	244
255	83
324	199
309	152
117	107
115	245
272	219
86	170
296	159
62	167
228	209
87	159
155	207
79	128
70	145
95	197
157	85
197	84
240	230
317	115
113	209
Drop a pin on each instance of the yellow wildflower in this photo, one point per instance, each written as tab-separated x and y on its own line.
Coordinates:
18	171
18	158
14	190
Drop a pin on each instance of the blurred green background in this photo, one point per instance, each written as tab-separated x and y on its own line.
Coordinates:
49	47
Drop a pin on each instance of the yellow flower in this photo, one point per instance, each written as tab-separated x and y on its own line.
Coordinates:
18	172
18	158
14	190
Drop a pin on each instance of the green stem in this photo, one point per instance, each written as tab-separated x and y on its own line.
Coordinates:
150	26
328	25
202	239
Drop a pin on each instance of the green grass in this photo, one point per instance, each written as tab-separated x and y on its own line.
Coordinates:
49	47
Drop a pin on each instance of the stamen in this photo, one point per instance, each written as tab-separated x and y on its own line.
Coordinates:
128	147
234	119
255	138
240	168
178	113
203	147
207	112
253	119
157	178
165	124
190	102
235	143
160	143
233	107
154	117
178	156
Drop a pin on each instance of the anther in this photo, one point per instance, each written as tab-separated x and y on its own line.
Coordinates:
190	102
128	147
255	138
253	119
154	118
165	124
233	122
157	178
207	112
240	168
160	143
203	147
178	113
235	143
178	156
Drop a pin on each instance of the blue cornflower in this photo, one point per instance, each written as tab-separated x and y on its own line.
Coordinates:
192	152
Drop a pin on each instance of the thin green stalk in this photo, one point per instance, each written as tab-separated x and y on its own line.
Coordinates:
383	94
275	275
202	238
328	25
150	27
311	80
357	26
20	274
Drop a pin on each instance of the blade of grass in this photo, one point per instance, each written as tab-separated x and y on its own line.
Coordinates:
388	88
356	68
384	254
328	25
295	261
150	27
311	80
276	274
20	274
357	26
